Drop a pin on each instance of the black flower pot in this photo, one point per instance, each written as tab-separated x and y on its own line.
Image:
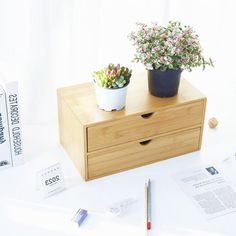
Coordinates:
164	83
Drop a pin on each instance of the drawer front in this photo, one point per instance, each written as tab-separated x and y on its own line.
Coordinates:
142	126
134	154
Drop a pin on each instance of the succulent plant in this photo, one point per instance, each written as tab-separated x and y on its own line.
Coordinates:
112	76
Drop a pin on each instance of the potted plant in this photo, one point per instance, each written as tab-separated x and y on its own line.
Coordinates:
166	51
111	86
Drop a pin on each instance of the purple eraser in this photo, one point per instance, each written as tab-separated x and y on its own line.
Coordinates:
80	216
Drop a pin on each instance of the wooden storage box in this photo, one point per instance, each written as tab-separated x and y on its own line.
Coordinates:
149	129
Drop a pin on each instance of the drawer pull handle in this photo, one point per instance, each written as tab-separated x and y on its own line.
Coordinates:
147	115
145	142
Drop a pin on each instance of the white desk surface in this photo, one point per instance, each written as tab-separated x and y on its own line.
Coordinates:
24	212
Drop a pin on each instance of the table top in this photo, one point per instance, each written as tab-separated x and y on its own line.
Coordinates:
25	212
81	100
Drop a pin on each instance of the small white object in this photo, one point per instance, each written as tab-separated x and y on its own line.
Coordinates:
120	208
229	159
51	180
110	99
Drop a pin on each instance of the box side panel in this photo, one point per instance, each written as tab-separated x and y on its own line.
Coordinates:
72	136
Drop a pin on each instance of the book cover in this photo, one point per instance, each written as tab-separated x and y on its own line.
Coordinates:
5	148
14	122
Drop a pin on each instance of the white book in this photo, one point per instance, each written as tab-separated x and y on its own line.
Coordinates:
14	121
5	148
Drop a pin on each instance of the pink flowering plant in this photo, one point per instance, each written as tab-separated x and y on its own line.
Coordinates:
173	47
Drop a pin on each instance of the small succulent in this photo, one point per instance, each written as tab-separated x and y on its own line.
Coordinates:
113	77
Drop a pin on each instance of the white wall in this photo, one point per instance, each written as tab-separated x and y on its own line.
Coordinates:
214	20
25	54
47	44
94	33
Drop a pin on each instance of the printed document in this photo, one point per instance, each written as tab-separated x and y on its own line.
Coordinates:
209	189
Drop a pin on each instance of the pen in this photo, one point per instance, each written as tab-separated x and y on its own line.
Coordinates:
145	203
149	205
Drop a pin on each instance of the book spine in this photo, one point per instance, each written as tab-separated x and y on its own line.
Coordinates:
5	148
13	110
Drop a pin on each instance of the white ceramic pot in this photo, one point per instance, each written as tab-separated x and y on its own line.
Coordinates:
110	99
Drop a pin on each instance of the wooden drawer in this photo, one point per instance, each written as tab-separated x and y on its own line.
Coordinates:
102	143
134	154
141	126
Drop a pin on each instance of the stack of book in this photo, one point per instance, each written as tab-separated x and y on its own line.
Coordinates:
11	152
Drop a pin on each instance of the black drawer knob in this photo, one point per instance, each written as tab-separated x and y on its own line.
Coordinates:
145	142
147	115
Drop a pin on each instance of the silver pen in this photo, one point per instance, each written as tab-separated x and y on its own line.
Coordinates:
149	205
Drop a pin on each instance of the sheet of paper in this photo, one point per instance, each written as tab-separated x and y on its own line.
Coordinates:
209	189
